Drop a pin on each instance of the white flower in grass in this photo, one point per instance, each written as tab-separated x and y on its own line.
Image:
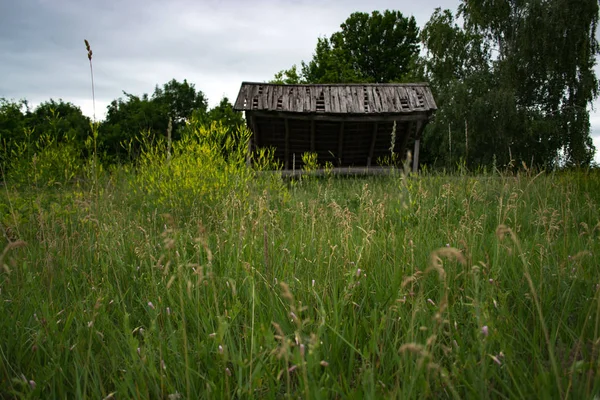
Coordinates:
221	351
151	305
484	330
227	371
32	384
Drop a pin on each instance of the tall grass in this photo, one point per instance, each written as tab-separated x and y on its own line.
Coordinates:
196	277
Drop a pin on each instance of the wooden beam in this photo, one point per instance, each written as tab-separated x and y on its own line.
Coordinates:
373	140
400	117
287	144
312	136
341	144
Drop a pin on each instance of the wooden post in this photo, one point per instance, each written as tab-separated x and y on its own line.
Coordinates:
416	157
418	129
287	144
373	140
341	144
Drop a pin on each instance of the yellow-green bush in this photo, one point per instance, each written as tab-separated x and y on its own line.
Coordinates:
201	169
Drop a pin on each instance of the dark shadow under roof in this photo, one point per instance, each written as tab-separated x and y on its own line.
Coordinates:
357	99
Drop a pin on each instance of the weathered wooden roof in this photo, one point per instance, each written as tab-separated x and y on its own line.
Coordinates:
369	99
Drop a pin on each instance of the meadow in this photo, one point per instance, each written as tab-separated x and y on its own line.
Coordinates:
191	275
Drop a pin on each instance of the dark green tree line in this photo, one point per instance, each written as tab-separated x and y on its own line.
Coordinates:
126	118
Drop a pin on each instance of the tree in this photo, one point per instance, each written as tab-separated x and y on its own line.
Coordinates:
179	100
288	77
546	52
12	126
513	83
62	120
225	114
330	63
126	118
372	47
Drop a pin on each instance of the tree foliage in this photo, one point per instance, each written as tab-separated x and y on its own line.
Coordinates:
127	117
514	82
376	47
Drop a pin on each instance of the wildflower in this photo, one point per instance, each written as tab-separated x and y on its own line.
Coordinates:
151	305
212	335
221	349
293	315
447	244
324	363
302	350
168	310
292	368
227	371
484	330
162	364
431	302
313	283
32	384
90	324
358	273
139	351
491	280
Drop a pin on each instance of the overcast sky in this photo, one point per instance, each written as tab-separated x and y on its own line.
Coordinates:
138	44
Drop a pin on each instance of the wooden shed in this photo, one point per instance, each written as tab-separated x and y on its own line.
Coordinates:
346	124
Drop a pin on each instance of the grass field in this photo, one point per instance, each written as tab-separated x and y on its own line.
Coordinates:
437	286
